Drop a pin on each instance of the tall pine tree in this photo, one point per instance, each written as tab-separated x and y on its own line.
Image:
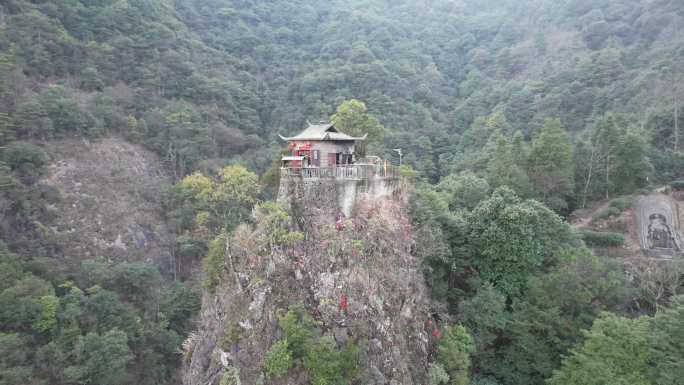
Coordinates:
502	169
550	165
606	140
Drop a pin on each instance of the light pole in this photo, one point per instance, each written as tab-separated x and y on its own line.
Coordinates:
398	151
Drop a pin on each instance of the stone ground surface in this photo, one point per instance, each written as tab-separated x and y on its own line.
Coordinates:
108	201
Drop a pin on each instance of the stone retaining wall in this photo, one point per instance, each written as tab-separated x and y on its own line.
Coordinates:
309	196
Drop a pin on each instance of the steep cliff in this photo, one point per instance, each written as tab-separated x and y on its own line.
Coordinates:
109	201
357	283
334	193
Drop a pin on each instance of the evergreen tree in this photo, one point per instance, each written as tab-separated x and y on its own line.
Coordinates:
453	352
511	238
584	159
352	118
551	165
520	150
31	119
463	191
615	352
6	135
102	359
497	122
14	359
631	165
62	110
502	169
605	140
667	351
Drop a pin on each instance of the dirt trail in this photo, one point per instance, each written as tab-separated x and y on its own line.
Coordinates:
632	223
585	220
631	247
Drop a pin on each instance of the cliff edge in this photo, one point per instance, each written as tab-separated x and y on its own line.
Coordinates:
351	286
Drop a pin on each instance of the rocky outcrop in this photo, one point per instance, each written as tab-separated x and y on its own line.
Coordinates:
108	201
359	282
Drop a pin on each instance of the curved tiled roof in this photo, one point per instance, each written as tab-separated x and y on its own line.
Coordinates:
322	131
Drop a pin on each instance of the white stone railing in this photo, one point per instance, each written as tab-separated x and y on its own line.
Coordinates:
353	172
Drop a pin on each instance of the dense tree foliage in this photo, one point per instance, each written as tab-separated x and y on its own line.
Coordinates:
619	350
221	203
615	352
511	238
516	277
502	108
453	353
550	165
352	118
203	81
325	362
88	331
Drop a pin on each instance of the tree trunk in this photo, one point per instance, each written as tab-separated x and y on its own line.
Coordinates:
607	176
675	98
589	175
175	262
676	122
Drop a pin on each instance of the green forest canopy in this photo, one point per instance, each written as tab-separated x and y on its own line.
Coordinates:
204	80
494	103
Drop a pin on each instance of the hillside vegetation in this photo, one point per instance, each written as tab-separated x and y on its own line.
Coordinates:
511	115
201	80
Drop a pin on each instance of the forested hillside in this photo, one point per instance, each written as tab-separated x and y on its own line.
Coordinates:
202	80
511	115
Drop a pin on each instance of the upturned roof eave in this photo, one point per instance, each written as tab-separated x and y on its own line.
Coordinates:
324	139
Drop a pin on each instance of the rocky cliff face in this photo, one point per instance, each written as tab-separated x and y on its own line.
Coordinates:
360	284
108	201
